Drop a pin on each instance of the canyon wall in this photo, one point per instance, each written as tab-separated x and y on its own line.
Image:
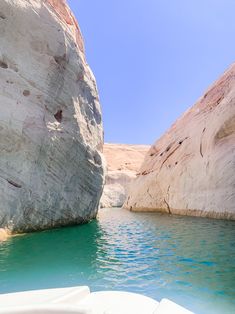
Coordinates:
51	134
123	162
190	170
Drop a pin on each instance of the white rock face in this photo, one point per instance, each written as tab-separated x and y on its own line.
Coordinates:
123	162
51	171
190	170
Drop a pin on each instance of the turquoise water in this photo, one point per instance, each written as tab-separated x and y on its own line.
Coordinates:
189	260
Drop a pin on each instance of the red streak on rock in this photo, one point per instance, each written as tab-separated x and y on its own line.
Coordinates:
66	15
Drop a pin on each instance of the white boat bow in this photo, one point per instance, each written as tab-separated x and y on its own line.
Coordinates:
79	300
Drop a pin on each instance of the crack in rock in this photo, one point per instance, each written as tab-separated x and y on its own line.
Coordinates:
14	183
203	131
177	147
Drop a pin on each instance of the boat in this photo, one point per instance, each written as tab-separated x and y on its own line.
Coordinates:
80	300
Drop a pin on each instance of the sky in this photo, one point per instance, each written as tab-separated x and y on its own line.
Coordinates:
153	59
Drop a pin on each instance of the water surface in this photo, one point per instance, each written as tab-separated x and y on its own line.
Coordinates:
189	260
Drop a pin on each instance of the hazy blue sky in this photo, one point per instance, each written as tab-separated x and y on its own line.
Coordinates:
153	59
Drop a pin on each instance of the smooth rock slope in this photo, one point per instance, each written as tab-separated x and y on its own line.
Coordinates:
123	162
51	171
190	170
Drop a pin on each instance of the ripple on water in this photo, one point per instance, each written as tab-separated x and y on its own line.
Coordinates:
190	260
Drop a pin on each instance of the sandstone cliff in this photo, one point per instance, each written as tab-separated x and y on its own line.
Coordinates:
51	171
123	162
190	170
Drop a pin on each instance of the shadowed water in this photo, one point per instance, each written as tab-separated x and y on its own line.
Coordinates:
189	260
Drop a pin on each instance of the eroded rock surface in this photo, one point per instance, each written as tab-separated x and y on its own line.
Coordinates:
123	162
51	171
190	170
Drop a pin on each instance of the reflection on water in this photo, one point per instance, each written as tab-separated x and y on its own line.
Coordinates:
189	260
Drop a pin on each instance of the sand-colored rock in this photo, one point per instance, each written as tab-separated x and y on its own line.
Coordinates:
123	162
4	234
51	133
190	170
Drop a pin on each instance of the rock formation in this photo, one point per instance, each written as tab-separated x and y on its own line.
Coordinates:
190	170
51	171
123	162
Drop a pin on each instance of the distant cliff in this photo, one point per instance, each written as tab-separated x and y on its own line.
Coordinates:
123	162
190	170
51	171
